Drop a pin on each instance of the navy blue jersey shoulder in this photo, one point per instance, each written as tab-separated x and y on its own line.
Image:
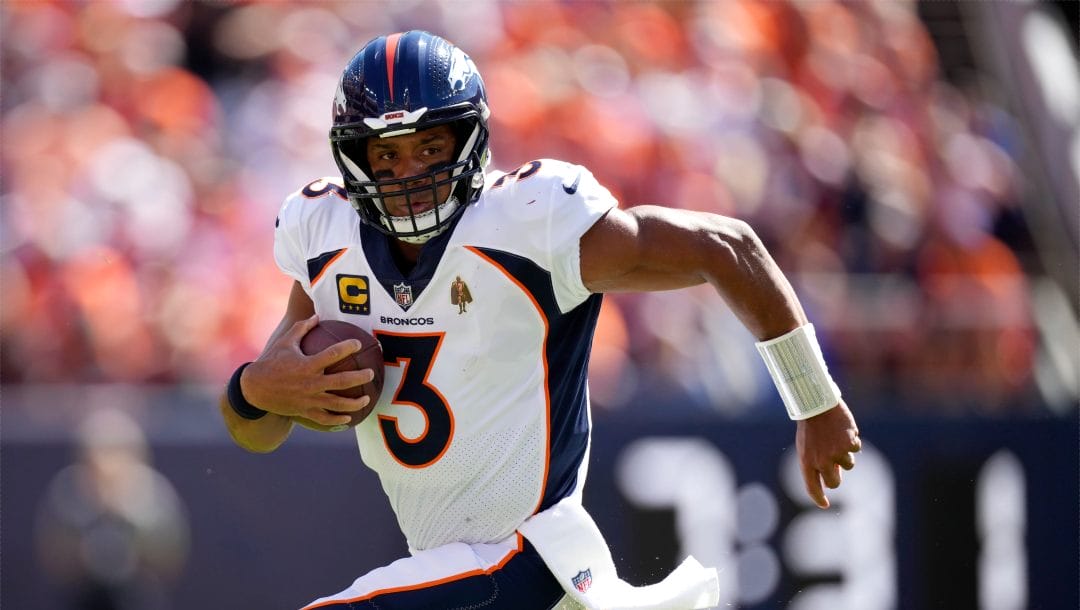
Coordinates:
317	265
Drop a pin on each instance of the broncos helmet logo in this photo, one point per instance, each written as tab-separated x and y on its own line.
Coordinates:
461	70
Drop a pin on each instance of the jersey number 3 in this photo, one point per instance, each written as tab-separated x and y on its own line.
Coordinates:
415	354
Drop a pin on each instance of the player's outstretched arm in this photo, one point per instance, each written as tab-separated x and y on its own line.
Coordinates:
656	248
649	248
284	382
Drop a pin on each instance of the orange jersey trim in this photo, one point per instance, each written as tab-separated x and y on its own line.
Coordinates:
543	352
431	583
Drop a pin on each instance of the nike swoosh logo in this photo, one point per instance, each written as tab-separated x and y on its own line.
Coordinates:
570	190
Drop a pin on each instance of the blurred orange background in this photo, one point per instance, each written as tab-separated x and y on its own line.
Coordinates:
147	145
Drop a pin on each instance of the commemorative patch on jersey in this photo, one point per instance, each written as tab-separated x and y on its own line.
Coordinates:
403	295
354	294
460	295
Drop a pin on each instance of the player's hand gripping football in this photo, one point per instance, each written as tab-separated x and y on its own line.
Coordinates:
287	382
826	443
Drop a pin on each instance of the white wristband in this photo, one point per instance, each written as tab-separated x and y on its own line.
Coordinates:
798	369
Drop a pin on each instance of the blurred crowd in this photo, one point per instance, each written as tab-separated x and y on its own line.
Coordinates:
147	145
112	532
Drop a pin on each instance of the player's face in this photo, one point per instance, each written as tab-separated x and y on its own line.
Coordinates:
413	154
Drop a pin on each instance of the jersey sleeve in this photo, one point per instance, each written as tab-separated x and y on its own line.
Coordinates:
289	250
313	221
544	207
572	215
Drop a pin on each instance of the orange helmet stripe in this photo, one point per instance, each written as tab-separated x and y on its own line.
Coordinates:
391	51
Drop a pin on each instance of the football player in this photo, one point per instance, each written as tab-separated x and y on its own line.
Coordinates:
481	436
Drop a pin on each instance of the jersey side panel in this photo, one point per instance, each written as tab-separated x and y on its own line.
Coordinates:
533	221
566	360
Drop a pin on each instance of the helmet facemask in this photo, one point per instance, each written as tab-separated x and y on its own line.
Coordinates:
368	194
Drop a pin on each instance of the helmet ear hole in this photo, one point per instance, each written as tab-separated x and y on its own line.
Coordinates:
462	130
356	150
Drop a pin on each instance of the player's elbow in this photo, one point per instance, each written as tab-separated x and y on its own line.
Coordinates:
253	436
735	240
256	439
254	446
738	254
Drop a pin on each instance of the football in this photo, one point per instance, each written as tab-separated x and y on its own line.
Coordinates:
370	356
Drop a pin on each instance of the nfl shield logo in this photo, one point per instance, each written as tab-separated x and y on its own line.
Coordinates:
583	580
403	294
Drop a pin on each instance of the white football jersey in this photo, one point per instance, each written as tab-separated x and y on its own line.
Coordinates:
484	416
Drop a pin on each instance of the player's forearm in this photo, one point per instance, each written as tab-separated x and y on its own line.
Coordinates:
261	435
763	299
750	281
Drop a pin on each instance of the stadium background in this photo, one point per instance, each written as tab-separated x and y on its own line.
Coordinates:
912	166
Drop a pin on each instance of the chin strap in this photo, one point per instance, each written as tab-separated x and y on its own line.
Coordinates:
404	224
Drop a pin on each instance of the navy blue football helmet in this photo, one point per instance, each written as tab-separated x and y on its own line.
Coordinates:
399	84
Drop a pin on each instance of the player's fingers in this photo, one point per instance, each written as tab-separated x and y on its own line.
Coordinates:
856	442
307	423
340	404
813	487
348	379
301	328
328	418
335	353
831	476
847	461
